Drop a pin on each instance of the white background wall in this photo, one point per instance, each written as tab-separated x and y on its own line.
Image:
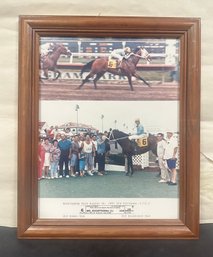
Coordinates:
9	12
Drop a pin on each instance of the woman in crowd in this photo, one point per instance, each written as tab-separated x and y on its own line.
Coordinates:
55	153
41	157
46	146
89	150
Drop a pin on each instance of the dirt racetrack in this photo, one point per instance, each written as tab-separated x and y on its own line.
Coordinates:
67	90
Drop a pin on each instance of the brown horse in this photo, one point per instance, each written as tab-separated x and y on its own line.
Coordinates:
127	68
130	147
49	62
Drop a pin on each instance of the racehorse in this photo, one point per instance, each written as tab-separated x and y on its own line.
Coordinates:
99	66
49	62
130	148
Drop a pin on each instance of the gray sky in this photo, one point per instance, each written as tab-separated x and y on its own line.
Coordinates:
154	115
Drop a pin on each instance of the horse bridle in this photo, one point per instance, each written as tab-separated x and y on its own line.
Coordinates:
146	57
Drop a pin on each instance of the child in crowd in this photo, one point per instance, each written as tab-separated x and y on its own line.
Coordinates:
81	162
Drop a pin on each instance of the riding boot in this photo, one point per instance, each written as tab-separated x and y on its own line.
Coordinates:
135	147
119	64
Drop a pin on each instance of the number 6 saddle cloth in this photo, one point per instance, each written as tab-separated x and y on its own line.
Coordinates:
112	63
141	142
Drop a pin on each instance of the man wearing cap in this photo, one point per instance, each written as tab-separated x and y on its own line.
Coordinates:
161	145
170	155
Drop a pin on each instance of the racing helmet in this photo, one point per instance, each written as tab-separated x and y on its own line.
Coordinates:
127	50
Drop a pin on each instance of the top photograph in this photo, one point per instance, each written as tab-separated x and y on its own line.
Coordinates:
109	68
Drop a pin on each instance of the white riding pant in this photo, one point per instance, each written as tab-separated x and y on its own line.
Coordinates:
116	56
134	137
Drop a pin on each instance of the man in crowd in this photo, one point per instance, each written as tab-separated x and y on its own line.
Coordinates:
161	145
64	145
74	152
170	155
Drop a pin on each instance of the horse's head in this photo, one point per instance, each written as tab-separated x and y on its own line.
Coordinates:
61	49
143	53
65	50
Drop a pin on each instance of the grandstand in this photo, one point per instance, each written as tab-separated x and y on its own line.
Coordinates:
158	48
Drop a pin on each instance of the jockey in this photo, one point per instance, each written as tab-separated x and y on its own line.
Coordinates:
45	49
119	54
140	131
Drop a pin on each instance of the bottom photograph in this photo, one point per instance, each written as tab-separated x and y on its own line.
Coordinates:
108	160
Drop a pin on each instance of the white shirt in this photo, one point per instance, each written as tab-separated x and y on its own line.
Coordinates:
88	147
160	148
171	144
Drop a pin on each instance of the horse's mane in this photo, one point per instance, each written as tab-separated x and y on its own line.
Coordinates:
58	45
132	57
136	49
123	134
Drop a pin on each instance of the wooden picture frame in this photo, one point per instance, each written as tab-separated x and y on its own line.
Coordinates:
187	31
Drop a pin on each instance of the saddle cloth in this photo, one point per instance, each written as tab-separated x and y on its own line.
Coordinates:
141	142
112	63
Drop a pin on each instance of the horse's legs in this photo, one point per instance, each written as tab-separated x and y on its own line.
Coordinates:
46	73
129	166
98	76
58	73
130	82
139	77
86	79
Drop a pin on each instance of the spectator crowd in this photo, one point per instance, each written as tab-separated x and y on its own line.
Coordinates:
63	155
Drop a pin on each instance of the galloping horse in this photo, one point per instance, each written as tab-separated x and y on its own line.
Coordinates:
99	66
49	62
131	148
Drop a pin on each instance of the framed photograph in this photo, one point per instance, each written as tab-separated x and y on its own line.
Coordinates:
108	127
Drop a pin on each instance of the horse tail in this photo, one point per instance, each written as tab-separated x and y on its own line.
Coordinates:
86	67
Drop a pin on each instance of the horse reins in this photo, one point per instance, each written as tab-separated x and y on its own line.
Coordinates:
115	139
